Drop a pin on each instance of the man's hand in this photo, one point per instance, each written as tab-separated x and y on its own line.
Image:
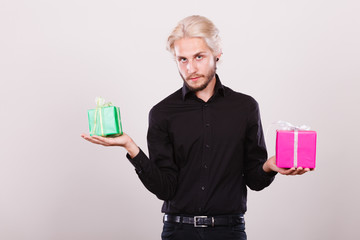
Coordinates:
123	141
270	165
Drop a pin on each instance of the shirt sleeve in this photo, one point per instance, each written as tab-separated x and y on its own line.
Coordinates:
159	172
255	153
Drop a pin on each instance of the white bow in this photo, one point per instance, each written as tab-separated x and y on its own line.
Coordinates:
288	126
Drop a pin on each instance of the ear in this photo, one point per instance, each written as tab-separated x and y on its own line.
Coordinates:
218	56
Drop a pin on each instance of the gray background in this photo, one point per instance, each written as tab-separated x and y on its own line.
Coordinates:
299	59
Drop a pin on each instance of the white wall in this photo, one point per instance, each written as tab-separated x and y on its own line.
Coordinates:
299	59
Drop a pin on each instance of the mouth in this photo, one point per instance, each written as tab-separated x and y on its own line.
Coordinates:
194	78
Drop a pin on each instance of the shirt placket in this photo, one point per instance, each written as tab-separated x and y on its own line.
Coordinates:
207	148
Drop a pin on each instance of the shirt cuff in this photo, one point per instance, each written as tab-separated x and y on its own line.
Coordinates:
267	174
140	161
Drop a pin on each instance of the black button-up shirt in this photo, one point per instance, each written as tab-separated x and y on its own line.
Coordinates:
202	155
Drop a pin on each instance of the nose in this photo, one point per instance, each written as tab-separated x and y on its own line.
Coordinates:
191	67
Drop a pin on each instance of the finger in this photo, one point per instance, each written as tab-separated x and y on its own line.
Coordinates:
95	140
285	171
301	172
298	171
100	138
290	171
84	135
105	141
305	170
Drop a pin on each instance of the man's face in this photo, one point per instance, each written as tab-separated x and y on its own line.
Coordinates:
195	62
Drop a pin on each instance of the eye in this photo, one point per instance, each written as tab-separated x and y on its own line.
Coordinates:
182	60
199	57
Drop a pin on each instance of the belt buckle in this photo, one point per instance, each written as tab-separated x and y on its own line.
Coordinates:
202	217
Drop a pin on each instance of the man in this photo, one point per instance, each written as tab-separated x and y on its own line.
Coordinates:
205	143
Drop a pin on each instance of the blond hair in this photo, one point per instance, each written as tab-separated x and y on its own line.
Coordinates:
196	26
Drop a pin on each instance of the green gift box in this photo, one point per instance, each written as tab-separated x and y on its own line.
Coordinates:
105	120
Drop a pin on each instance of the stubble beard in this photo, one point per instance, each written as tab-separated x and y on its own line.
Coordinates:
209	76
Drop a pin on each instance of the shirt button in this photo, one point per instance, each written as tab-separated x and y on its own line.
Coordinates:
203	188
205	166
207	146
207	125
205	105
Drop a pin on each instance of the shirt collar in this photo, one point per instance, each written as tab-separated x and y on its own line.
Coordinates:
218	88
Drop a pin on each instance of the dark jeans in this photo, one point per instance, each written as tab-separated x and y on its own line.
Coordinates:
178	231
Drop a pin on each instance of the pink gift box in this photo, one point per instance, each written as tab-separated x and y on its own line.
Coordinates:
295	148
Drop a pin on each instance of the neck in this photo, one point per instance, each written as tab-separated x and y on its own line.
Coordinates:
207	93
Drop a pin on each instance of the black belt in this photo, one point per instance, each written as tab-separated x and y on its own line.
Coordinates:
206	221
